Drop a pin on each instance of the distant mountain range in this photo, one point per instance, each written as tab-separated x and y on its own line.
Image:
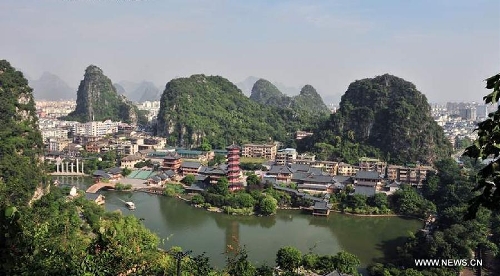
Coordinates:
138	92
52	88
246	87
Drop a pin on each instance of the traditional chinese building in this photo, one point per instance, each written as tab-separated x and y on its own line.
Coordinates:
233	165
171	162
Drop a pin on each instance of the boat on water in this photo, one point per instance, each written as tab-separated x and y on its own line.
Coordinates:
130	205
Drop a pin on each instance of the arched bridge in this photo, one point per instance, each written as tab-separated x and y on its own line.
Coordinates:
96	187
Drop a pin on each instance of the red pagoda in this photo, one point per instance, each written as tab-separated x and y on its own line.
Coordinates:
233	167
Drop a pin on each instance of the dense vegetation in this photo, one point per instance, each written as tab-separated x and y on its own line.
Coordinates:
384	117
213	110
450	236
98	100
257	198
487	146
44	233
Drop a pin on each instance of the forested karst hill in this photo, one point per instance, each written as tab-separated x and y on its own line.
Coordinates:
385	115
20	141
212	108
97	99
308	100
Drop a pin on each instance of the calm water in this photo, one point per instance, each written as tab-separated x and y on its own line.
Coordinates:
200	231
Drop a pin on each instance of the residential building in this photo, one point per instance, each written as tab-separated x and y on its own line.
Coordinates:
329	167
372	164
414	175
267	151
347	169
299	135
129	161
284	156
58	144
96	128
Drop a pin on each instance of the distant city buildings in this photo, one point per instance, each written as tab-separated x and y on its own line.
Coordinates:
152	108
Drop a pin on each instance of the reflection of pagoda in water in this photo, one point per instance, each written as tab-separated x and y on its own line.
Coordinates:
233	167
232	237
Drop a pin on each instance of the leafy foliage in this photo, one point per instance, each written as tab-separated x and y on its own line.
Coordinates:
288	258
488	145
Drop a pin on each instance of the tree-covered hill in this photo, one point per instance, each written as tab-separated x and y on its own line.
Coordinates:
21	143
97	99
307	102
213	109
266	93
44	232
385	116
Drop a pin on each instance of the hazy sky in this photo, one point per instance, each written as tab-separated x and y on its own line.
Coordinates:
446	48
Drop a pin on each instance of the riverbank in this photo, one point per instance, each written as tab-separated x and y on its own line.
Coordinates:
160	191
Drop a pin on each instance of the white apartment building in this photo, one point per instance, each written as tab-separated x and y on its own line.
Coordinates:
54	133
285	155
96	128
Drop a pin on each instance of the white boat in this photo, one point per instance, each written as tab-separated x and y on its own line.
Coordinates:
130	205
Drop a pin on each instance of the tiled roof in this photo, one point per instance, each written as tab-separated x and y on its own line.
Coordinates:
190	164
367	175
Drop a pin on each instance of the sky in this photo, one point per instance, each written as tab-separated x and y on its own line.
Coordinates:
446	48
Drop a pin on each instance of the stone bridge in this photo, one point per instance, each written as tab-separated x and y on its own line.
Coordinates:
96	187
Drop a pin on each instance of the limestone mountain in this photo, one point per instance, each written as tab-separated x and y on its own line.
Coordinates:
213	109
97	99
52	88
119	89
246	85
264	92
148	92
385	115
308	100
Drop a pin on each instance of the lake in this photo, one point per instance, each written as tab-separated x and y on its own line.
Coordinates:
180	224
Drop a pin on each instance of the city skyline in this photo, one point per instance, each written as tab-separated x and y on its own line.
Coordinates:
445	48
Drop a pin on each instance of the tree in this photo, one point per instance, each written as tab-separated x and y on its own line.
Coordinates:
487	145
268	205
126	171
288	258
198	199
244	200
218	159
200	265
379	200
221	187
238	263
346	263
310	260
188	180
253	180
